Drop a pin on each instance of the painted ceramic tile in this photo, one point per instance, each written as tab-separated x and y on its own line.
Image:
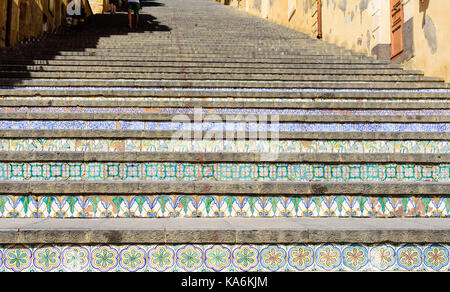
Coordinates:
221	206
223	258
148	145
77	171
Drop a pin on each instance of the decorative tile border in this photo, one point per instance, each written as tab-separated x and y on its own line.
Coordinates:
222	258
222	206
167	145
220	111
222	126
230	89
170	171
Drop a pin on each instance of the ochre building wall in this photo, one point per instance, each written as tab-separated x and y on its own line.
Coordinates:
364	26
31	18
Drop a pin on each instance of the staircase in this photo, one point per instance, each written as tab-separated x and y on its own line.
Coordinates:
114	154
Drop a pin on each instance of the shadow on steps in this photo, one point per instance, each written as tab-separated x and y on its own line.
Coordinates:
15	61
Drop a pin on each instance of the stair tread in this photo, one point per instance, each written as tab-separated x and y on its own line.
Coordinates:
225	230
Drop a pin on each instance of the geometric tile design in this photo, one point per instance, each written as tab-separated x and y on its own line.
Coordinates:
231	258
168	145
168	171
222	206
222	126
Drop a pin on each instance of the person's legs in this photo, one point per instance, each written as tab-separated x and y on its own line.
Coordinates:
136	8
133	7
129	18
137	20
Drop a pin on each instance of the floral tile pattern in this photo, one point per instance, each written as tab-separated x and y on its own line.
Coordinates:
163	145
323	257
222	206
178	110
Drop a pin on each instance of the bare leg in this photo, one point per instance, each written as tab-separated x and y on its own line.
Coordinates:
130	21
137	20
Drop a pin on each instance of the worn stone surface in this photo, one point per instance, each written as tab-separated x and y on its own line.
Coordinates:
76	85
227	231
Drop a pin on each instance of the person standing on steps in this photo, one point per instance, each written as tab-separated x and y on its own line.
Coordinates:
133	5
113	4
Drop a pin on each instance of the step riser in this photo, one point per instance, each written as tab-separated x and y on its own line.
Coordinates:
258	257
255	81
228	71
223	128
198	58
182	65
170	146
221	136
107	99
221	84
230	94
216	206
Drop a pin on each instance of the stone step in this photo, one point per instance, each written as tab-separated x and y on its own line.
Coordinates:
95	104
175	53
253	188
225	231
188	47
214	83
190	94
238	72
208	85
112	68
17	77
181	61
198	57
66	104
95	78
260	117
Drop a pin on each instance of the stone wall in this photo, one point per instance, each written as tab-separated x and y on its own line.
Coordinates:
31	18
364	26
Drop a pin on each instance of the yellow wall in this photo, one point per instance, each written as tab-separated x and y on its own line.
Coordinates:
99	6
27	17
2	22
364	26
431	38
